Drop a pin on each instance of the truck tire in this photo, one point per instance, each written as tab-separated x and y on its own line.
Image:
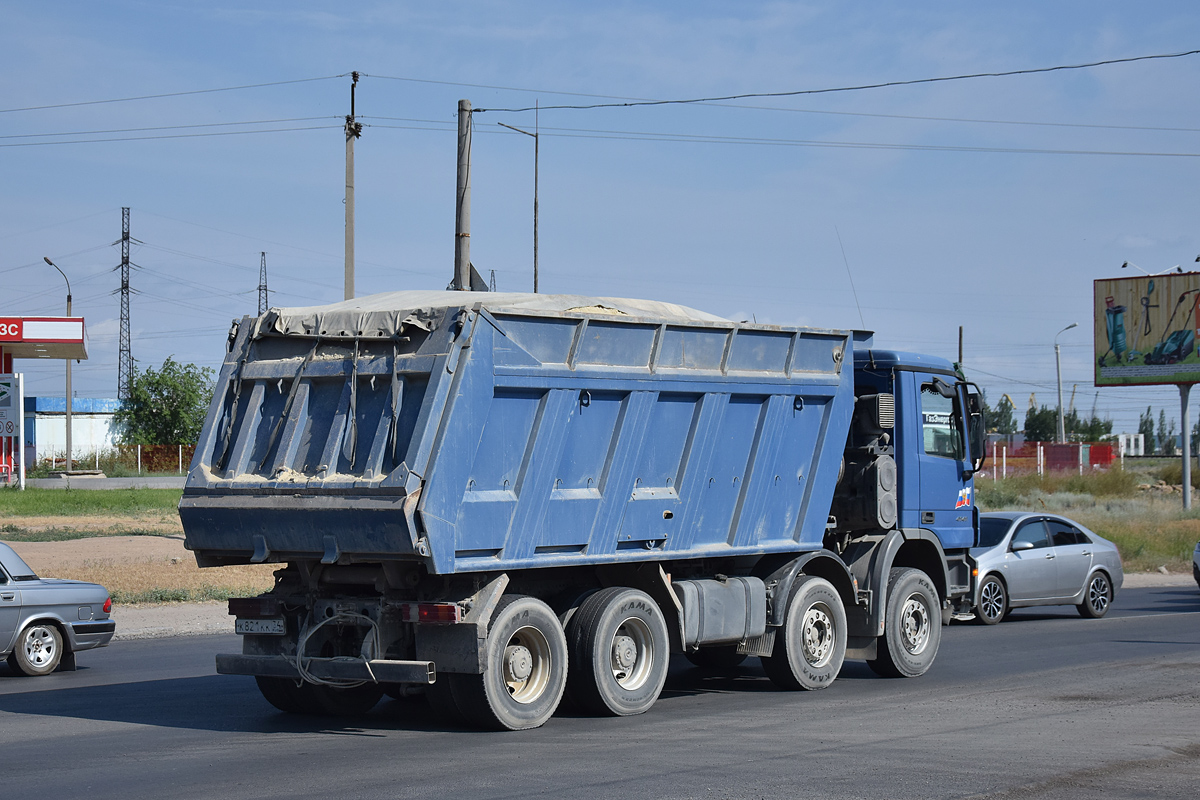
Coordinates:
526	668
811	644
719	658
619	652
912	629
285	694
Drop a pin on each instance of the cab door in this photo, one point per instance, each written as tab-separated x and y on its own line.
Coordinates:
947	490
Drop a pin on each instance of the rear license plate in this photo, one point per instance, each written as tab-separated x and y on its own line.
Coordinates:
268	626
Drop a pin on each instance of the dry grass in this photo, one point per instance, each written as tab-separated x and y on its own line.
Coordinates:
1151	530
160	581
143	569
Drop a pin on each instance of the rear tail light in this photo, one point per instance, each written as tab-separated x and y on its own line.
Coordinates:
431	613
107	607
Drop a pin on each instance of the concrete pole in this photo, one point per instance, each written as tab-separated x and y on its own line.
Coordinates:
536	138
69	403
1184	390
353	131
462	205
349	280
1062	434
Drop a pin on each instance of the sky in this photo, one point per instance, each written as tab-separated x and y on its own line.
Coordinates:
990	203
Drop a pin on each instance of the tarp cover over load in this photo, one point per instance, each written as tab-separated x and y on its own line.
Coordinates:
385	315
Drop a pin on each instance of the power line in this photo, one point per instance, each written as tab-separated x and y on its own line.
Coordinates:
164	128
169	94
169	136
694	138
883	85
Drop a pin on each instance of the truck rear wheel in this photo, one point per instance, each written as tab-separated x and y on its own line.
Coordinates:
526	668
811	644
619	652
912	628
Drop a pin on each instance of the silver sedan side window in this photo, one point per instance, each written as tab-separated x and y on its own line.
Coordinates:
1034	532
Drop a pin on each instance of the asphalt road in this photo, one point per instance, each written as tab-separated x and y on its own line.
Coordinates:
1046	705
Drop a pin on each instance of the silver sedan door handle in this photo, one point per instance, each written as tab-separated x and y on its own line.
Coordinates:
8	596
1049	555
1086	553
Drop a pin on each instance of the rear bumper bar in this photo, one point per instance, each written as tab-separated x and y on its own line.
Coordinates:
381	670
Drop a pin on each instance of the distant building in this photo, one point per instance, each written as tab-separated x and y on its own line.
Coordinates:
1131	444
46	426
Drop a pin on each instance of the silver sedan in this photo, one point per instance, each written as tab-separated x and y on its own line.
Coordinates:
45	622
1042	560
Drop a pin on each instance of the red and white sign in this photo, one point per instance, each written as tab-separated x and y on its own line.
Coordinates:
42	337
10	329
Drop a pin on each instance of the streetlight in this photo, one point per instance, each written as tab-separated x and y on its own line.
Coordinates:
65	278
535	191
1062	434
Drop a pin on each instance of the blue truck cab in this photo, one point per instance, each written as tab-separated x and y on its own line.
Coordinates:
497	497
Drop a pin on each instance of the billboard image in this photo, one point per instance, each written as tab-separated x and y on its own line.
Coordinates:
1146	328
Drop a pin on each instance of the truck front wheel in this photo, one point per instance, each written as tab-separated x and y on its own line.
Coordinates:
811	644
912	629
526	672
619	652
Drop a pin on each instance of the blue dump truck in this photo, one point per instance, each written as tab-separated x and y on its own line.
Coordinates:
501	498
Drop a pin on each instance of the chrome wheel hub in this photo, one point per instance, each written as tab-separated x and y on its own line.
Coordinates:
817	635
527	666
914	625
632	658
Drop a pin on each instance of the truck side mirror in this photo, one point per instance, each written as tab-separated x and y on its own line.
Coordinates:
976	430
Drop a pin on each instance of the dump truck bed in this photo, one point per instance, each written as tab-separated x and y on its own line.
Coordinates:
488	431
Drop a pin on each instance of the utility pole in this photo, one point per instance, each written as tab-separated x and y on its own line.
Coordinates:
125	357
536	139
353	131
1184	390
462	205
262	286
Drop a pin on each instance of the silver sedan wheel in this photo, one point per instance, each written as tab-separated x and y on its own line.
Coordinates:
39	650
1097	598
41	646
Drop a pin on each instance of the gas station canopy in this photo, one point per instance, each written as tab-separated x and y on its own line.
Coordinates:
42	337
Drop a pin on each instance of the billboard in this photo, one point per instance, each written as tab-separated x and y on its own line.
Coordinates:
1146	329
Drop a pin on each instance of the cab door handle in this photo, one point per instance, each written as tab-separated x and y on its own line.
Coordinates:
8	596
